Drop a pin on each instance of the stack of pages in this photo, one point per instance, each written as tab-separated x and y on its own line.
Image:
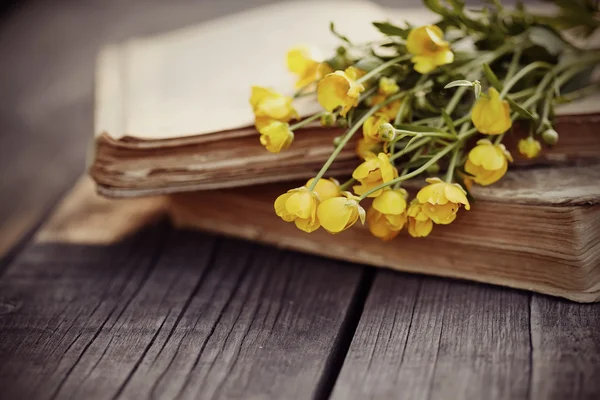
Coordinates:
173	114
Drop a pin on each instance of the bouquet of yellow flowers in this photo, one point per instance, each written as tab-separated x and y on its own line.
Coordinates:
430	98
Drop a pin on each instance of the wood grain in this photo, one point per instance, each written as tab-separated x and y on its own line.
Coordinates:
107	304
566	350
422	338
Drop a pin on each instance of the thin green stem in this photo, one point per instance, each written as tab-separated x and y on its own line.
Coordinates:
514	63
307	120
452	165
412	147
405	133
349	135
347	184
519	75
383	67
499	139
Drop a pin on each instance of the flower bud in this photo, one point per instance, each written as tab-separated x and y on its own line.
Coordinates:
433	169
550	136
337	140
342	122
328	119
386	132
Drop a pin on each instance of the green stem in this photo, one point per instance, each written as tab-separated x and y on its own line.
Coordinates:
514	63
410	148
499	139
529	68
347	184
349	135
405	133
452	165
307	120
382	67
401	111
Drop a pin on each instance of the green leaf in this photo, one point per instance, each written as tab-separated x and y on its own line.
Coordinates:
547	38
460	82
492	78
339	35
518	109
391	30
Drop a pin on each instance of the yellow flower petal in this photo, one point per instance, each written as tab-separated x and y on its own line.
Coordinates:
430	50
418	228
487	163
379	227
491	115
276	136
529	147
301	204
326	188
280	209
338	89
307	225
338	214
391	202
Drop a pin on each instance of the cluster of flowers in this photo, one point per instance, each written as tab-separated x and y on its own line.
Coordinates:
386	141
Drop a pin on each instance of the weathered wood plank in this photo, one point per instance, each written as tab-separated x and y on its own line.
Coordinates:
566	350
424	338
91	310
63	297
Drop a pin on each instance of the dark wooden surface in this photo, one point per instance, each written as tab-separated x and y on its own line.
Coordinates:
179	314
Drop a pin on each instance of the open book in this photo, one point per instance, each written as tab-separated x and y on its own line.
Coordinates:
173	114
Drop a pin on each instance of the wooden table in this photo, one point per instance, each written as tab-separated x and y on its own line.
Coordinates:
167	313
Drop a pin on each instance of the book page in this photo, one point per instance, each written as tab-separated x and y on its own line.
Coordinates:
197	80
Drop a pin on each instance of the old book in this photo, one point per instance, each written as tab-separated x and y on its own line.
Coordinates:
172	110
537	229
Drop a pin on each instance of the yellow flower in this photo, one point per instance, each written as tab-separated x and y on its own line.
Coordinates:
530	147
326	188
276	136
379	227
269	105
491	114
387	215
306	62
487	162
441	200
374	171
387	86
339	89
340	213
429	49
371	127
299	206
364	147
419	224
